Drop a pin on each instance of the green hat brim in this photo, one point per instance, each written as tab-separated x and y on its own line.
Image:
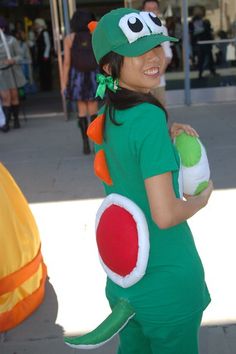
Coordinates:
142	45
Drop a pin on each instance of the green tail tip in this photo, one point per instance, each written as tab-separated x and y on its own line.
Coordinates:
121	313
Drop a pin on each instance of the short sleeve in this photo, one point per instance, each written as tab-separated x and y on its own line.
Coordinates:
152	144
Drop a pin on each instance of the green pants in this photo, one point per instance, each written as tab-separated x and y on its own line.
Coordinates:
156	339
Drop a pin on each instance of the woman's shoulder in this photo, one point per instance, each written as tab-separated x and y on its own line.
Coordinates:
145	106
142	120
147	112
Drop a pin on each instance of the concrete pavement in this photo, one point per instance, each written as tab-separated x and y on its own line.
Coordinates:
45	159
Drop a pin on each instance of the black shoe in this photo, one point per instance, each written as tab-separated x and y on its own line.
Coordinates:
200	76
5	128
15	113
16	124
83	125
86	147
7	114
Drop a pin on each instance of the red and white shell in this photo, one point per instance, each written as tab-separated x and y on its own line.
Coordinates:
123	240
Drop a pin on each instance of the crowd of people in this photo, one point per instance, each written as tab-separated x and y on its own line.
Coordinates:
23	56
26	57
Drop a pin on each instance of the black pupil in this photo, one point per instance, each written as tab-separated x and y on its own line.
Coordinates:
155	19
137	26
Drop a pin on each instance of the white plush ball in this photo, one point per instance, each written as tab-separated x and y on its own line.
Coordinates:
195	169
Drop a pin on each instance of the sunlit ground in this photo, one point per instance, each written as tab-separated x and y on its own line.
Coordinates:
69	249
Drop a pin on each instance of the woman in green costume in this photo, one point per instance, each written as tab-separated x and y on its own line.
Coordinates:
143	165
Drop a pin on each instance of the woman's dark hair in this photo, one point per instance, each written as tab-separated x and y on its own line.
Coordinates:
4	25
123	98
80	20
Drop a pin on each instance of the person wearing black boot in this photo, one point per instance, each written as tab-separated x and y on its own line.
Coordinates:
11	75
43	46
15	113
83	125
79	72
7	113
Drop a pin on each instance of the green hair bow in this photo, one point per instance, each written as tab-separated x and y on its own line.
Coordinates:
105	82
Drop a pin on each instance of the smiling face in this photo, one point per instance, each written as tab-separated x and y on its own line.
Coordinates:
142	73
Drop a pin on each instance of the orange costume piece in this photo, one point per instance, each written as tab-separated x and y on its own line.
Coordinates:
92	25
95	133
22	271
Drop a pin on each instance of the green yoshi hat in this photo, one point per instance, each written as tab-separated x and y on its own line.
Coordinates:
128	32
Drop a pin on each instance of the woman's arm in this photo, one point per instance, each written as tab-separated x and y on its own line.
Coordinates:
166	209
67	60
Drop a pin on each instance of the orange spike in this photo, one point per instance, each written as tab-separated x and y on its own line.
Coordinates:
101	169
95	129
92	25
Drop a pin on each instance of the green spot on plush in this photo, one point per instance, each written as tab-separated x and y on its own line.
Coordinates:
201	187
189	149
194	164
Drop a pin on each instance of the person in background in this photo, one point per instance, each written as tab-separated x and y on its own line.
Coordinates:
174	29
178	46
79	71
11	76
26	62
159	91
221	56
31	41
43	55
200	30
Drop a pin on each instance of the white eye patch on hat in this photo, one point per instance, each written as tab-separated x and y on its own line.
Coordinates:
136	25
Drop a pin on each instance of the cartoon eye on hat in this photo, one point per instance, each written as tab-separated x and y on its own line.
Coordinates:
135	25
153	22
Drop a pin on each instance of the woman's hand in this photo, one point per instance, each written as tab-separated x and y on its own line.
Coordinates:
9	62
177	128
204	195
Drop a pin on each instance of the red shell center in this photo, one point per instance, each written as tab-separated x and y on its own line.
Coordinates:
117	240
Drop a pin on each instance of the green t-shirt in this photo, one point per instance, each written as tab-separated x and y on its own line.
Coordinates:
139	148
